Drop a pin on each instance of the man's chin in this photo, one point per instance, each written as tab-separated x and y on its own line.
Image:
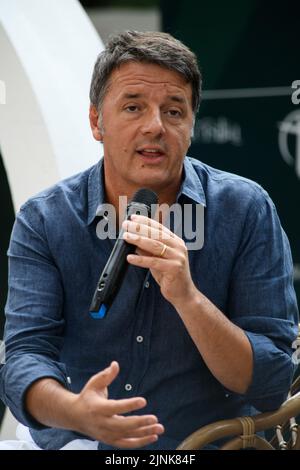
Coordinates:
154	183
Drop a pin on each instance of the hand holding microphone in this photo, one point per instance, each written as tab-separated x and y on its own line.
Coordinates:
166	256
114	271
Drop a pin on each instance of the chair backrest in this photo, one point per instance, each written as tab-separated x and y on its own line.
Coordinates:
243	431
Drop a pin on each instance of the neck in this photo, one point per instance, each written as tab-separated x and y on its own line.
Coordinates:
113	191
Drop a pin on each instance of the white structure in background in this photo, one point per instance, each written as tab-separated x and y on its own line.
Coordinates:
110	21
47	50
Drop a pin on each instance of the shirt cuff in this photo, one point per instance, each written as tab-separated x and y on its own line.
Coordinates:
272	373
19	375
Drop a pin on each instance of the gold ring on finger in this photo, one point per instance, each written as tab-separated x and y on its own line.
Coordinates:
163	251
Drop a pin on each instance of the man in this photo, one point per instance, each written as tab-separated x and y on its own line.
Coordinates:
191	336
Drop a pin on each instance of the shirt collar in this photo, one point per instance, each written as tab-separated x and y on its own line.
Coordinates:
95	190
191	184
191	187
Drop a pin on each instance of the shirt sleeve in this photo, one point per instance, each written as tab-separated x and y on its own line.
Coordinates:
263	303
34	321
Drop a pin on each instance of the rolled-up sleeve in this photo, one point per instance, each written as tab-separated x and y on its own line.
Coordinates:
34	322
263	303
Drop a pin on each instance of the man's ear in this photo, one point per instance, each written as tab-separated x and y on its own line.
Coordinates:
94	117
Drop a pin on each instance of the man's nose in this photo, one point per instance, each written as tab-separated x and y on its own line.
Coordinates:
153	123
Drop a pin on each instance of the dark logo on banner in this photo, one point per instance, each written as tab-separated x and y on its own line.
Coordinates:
289	140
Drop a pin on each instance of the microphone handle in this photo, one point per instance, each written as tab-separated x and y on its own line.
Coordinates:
112	274
116	267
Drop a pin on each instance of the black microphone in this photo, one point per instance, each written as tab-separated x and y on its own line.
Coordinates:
114	271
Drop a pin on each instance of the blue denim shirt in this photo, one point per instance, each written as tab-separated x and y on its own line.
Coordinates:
55	259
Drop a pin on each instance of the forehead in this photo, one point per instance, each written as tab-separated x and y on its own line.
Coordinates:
142	77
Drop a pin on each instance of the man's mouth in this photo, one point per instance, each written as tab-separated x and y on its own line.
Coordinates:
151	153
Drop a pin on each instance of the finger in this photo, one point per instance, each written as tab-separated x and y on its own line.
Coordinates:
139	251
110	427
150	262
131	443
149	232
105	377
145	431
155	247
125	405
130	423
141	219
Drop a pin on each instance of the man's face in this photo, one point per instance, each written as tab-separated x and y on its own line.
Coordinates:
146	127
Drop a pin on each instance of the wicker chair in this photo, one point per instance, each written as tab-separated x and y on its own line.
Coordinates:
286	435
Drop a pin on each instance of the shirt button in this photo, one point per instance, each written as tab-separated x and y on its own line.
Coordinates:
128	387
147	284
139	339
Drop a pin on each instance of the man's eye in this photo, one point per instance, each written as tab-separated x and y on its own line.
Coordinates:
131	108
174	113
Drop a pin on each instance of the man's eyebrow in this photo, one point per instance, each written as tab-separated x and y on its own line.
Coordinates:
132	96
177	99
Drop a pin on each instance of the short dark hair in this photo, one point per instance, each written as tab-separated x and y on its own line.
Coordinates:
148	47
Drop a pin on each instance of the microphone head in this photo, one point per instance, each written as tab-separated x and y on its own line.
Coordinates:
145	196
